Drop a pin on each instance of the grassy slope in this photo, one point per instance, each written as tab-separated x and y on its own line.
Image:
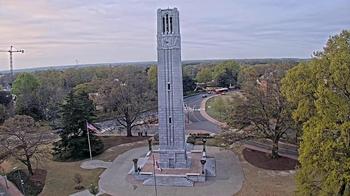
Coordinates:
60	174
59	180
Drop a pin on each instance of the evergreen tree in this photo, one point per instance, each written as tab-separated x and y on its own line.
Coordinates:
75	112
188	84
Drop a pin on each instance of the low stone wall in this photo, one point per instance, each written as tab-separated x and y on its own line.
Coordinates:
196	177
169	180
175	177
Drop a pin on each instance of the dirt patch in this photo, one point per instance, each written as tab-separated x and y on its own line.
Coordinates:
264	161
262	182
39	177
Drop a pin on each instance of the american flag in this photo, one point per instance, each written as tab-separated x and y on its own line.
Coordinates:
92	128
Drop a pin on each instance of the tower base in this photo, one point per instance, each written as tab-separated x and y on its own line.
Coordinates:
151	170
173	159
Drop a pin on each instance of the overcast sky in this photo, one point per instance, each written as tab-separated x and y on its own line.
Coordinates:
61	32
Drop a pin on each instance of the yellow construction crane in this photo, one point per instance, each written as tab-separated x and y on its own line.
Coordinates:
12	50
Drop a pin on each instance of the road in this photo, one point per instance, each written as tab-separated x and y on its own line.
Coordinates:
194	119
198	122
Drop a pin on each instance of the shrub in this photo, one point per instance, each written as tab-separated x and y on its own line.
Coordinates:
191	139
80	150
93	189
78	179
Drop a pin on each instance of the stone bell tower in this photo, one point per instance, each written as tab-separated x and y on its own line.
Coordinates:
172	150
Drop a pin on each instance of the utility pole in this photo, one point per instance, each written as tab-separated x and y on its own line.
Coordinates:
88	136
12	50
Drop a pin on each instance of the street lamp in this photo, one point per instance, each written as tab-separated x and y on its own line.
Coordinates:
135	165
150	144
203	161
204	141
187	113
188	116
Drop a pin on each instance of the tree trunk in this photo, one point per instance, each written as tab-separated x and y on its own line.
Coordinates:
128	130
344	189
29	166
274	152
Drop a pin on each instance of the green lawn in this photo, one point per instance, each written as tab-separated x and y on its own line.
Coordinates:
59	179
216	107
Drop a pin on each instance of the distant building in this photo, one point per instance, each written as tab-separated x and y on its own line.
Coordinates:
263	81
94	97
221	90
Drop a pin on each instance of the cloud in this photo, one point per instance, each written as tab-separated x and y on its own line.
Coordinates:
59	32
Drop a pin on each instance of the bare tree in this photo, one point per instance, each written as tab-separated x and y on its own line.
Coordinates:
21	139
263	113
130	99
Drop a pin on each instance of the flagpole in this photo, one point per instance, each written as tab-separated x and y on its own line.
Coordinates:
154	174
88	135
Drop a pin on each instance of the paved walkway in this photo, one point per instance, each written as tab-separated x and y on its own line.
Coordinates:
11	191
94	164
228	181
82	193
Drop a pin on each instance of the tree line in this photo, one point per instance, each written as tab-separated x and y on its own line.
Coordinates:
39	94
63	98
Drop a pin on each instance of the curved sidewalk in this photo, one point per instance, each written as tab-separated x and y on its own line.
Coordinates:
206	115
12	190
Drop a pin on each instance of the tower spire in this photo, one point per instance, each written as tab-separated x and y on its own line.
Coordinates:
170	91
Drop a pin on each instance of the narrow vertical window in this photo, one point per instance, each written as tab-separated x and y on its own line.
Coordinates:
163	25
169	120
171	24
167	23
168	86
